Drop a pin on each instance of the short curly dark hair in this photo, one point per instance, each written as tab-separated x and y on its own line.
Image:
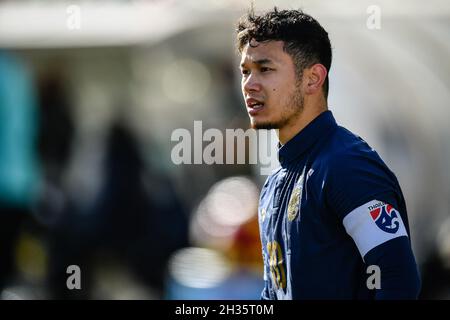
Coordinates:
305	40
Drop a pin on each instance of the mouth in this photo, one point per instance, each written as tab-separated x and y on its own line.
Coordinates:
254	106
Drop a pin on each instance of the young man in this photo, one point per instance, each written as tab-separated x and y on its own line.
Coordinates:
333	218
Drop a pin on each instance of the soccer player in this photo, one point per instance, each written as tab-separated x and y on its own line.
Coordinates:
333	218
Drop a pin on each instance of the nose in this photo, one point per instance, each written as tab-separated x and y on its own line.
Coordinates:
251	84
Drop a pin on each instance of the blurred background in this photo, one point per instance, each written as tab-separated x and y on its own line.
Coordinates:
91	91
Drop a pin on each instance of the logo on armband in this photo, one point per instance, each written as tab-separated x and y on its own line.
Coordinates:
385	217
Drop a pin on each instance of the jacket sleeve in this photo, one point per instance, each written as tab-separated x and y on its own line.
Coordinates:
399	274
368	200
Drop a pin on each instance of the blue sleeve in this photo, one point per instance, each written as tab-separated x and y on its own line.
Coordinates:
356	176
400	277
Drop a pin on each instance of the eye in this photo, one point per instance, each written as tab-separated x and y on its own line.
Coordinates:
245	72
265	69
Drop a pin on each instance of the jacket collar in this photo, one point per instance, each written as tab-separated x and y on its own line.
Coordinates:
306	138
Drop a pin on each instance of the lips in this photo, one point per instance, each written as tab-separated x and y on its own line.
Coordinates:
254	105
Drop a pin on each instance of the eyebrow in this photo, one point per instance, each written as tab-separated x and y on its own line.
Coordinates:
259	62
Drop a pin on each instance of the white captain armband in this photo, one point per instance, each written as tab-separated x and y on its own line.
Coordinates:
372	224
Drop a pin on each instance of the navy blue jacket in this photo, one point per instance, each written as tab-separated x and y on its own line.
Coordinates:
329	212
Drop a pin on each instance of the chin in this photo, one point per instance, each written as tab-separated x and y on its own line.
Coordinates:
263	125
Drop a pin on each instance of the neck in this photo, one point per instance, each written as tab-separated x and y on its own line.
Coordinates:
308	114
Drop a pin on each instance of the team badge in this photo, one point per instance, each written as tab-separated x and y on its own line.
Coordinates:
296	198
385	217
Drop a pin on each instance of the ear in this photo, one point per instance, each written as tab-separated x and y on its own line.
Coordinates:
314	78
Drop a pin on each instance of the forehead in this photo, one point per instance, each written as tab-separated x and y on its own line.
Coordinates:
271	50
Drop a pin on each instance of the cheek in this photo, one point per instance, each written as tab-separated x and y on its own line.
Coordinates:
279	86
274	94
242	88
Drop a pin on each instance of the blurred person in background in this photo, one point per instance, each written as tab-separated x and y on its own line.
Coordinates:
55	142
18	158
333	208
136	218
